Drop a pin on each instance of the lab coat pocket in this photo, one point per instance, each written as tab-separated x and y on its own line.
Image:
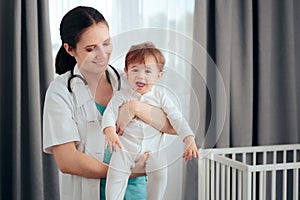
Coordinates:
70	187
94	140
90	189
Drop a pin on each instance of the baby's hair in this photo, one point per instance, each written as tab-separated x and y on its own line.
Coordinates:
139	52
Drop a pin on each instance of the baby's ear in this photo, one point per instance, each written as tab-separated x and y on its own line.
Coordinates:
160	74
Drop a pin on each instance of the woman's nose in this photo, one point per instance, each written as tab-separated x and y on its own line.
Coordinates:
100	52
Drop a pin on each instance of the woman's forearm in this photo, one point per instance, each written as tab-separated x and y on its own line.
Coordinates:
152	115
72	161
134	175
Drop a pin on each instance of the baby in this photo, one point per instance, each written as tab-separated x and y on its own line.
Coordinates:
144	67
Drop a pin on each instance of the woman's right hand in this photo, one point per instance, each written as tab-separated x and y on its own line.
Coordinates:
139	167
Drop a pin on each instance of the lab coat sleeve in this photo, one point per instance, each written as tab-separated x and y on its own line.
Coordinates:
58	123
175	117
111	112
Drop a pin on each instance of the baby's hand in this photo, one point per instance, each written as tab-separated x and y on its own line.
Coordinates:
190	148
112	139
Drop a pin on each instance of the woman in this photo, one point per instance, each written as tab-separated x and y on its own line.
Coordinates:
71	125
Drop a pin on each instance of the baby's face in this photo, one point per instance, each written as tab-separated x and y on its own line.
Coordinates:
142	77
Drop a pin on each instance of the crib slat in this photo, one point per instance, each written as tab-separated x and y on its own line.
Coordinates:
284	185
296	184
228	183
208	180
217	185
273	185
262	177
222	182
233	180
296	178
239	184
247	185
264	174
233	184
245	178
254	177
261	185
212	178
284	178
202	177
273	179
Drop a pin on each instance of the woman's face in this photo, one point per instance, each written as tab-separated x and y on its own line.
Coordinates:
93	49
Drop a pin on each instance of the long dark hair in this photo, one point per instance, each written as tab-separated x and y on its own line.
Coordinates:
71	27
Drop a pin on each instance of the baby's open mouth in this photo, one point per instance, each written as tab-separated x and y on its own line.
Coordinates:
140	84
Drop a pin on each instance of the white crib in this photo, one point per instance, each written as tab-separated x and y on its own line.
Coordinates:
250	173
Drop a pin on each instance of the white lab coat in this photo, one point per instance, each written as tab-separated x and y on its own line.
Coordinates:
74	117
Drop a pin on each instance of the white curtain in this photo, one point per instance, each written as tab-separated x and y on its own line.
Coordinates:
169	25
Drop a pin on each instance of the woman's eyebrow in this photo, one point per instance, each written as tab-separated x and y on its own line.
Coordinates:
90	45
94	45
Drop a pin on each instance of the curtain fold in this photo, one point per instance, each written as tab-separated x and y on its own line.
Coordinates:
255	46
26	61
277	114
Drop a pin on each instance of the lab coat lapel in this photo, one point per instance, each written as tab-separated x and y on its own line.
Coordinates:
80	89
83	98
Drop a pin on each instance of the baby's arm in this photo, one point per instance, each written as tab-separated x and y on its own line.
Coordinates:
109	121
181	126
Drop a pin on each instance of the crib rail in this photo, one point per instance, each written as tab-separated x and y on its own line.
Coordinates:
250	173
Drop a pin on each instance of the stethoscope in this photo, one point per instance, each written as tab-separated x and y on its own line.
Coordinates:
85	82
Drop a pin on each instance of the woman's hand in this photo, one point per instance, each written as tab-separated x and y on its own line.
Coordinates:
139	168
190	149
112	139
151	115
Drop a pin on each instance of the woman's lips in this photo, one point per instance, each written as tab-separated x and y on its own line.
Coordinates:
100	63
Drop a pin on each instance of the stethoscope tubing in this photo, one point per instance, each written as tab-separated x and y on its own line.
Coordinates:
85	82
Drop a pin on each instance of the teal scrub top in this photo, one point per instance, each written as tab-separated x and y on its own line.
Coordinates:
136	187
